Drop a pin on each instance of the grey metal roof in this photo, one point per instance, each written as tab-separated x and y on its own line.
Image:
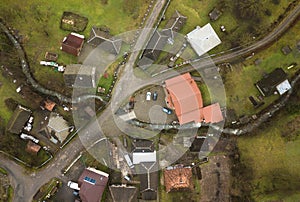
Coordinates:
108	43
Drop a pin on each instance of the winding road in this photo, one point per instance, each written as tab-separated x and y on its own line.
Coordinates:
27	184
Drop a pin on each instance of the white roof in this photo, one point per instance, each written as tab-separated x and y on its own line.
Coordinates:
138	157
283	87
203	39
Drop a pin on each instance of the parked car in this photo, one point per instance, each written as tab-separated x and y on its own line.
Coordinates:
167	110
148	96
154	96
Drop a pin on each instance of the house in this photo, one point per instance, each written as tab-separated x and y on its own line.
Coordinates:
203	39
92	184
57	128
108	43
33	148
184	96
149	180
214	14
123	193
18	120
178	178
143	151
276	81
72	44
77	75
174	24
160	38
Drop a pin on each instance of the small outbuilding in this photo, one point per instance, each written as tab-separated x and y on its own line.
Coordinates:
214	14
18	120
72	44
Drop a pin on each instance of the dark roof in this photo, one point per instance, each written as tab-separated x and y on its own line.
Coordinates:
18	120
72	44
108	43
123	193
268	84
286	49
142	145
149	180
214	14
155	45
174	24
196	145
80	76
92	184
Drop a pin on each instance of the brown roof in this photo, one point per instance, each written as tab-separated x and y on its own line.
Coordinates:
72	44
185	97
49	105
92	183
32	147
178	178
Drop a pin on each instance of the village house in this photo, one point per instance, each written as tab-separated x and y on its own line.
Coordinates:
275	81
178	178
203	39
18	120
92	183
123	193
105	40
184	96
82	76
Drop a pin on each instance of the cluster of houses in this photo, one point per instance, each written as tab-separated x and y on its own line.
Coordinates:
42	124
144	163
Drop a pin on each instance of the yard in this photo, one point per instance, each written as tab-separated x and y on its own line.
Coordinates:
239	82
38	24
197	14
272	156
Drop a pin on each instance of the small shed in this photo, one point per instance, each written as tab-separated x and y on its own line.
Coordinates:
51	56
72	44
286	50
32	148
214	14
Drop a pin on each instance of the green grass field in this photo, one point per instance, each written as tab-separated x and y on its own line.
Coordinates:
239	83
39	23
274	161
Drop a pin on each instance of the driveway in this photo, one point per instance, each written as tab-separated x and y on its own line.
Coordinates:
151	111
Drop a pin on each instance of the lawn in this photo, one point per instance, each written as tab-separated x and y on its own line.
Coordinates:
39	21
239	83
274	161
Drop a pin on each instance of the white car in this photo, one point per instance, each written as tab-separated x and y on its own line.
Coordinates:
148	96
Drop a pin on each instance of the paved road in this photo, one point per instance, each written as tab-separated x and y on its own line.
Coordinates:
26	184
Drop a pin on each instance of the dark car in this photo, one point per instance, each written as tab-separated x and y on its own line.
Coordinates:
154	96
167	110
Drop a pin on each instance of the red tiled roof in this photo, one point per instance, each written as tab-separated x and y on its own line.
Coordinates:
32	147
49	105
72	44
92	192
212	113
178	178
184	96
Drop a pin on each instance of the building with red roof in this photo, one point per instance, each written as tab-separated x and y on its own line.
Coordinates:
72	44
184	96
92	184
